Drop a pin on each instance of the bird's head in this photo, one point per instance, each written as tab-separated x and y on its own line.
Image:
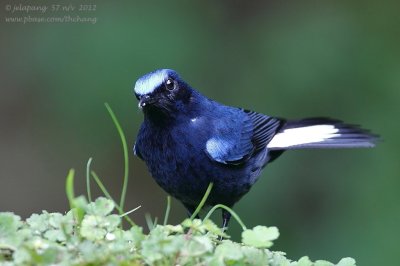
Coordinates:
162	93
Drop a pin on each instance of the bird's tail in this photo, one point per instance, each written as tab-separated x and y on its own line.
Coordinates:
321	133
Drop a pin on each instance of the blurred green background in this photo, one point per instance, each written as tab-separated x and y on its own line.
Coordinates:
289	59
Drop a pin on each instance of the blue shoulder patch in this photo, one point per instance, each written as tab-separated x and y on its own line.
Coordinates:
231	141
218	149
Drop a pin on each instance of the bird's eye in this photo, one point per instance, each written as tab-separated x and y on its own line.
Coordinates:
169	84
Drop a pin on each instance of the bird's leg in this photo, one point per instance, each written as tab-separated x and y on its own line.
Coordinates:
226	216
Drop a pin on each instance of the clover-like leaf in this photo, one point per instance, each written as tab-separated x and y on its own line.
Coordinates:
260	236
111	222
254	256
347	262
55	235
101	207
277	258
173	228
21	257
211	227
39	223
90	235
323	263
159	244
135	235
197	246
304	261
229	251
91	228
9	224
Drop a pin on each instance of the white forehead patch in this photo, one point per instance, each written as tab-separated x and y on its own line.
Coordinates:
149	82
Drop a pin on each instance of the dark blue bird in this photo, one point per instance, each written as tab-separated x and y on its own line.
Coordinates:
188	140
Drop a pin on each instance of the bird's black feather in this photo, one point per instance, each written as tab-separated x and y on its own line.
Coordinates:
264	128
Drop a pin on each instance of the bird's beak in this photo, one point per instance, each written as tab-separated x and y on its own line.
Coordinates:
145	101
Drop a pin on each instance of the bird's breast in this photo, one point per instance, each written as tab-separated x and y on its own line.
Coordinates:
168	149
176	158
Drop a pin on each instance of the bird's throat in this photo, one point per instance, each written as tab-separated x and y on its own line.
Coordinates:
157	116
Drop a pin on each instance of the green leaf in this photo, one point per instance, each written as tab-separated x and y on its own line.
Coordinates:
9	225
101	207
88	251
91	228
159	245
21	257
54	235
56	220
211	227
174	228
229	251
216	261
304	261
323	263
277	258
196	226
135	234
39	223
111	222
79	207
48	256
57	239
347	262
254	256
96	227
260	236
69	187
197	246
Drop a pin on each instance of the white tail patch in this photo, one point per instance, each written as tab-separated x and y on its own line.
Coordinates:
303	135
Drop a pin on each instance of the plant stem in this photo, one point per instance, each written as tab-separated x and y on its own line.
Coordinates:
234	215
88	179
125	150
167	210
105	192
202	202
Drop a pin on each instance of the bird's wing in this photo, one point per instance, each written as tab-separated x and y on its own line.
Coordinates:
236	141
265	128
